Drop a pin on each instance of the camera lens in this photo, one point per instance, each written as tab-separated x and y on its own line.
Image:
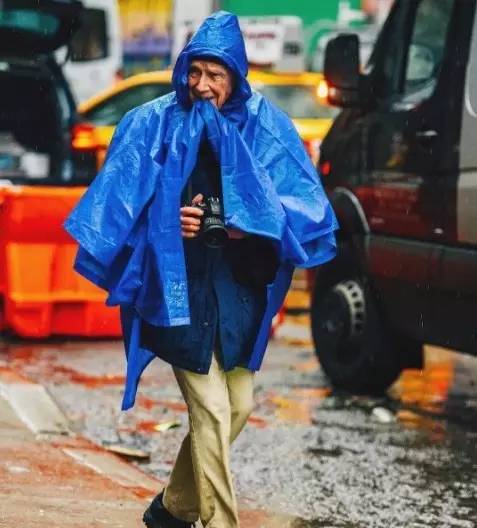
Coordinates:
215	236
214	233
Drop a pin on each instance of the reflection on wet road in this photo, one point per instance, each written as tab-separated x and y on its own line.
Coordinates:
331	460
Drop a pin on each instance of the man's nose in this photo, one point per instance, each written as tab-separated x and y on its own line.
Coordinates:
203	84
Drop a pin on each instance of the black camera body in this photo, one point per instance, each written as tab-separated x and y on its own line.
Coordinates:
212	227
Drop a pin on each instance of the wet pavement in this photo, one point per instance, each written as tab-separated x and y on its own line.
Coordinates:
326	459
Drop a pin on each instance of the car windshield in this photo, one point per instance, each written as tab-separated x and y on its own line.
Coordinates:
110	111
297	100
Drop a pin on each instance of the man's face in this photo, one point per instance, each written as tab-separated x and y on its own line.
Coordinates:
209	80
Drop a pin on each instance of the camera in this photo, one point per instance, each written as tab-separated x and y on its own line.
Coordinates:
212	228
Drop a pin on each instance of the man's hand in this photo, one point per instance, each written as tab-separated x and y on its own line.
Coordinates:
191	218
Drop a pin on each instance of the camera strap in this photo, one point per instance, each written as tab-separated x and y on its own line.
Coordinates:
189	190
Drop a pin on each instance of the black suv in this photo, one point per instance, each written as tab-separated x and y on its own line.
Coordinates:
38	121
400	166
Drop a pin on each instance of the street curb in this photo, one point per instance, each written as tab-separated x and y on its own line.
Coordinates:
119	471
34	406
38	412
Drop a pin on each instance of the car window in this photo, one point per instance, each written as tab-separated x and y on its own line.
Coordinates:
33	21
113	109
91	41
427	44
385	63
298	101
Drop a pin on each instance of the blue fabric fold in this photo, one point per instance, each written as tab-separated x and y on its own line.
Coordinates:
127	224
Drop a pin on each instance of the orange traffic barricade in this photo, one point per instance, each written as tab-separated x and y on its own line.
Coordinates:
2	269
40	293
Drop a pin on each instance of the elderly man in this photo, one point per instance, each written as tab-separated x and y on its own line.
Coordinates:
206	203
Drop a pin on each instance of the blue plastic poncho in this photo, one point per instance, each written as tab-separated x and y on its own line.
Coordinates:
128	222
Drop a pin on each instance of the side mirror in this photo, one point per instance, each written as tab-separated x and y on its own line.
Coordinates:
342	70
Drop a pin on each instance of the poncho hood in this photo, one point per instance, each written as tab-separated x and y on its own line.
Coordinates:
219	37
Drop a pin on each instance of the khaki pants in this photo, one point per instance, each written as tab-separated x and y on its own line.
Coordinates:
200	486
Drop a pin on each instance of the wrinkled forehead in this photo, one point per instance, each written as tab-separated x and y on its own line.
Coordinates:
209	64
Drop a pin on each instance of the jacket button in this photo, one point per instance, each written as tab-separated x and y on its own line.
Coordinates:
206	323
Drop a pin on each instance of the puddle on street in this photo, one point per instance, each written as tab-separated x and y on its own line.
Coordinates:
428	388
417	468
445	389
298	404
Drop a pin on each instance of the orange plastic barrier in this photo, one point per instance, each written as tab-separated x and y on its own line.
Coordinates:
2	270
40	293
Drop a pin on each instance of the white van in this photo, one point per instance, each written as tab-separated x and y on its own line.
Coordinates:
95	59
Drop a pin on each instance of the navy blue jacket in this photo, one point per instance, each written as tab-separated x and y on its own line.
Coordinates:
224	314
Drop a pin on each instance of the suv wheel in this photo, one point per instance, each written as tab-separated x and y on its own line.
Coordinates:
356	349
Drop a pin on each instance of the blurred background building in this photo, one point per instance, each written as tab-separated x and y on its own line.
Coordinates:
146	27
154	31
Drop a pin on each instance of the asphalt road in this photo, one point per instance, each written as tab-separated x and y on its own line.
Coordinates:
331	460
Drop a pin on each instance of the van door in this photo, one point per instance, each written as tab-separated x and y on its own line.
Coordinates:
406	156
455	294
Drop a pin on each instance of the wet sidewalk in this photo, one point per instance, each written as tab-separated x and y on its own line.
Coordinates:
51	477
321	458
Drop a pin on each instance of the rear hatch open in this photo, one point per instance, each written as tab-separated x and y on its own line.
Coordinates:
32	27
36	107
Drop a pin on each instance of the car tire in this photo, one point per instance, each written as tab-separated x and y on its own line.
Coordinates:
357	350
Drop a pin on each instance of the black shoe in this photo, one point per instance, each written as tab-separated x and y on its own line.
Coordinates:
156	516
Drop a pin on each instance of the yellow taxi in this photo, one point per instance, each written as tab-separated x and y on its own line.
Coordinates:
301	95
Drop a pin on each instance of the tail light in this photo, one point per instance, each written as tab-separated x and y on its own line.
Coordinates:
83	137
312	146
87	151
